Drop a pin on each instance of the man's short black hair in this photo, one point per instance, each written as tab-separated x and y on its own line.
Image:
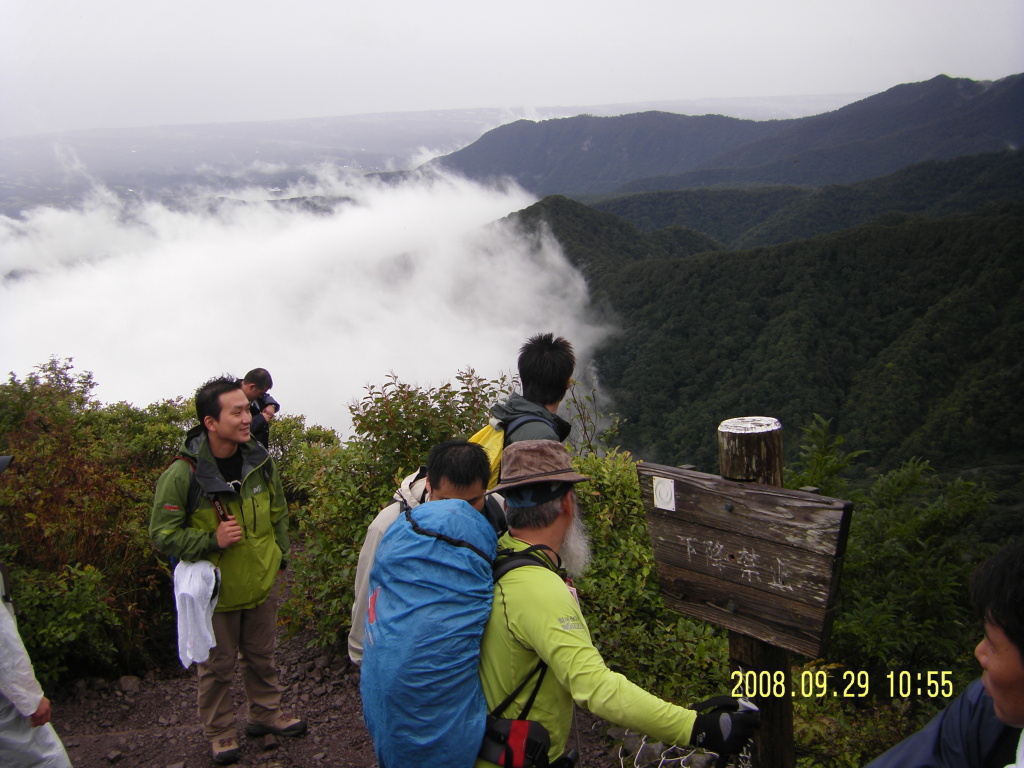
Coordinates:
260	377
997	591
208	396
546	363
461	462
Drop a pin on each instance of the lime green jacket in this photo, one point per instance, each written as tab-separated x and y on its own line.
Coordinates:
535	616
249	567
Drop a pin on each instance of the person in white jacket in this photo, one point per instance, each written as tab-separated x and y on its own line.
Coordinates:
450	473
27	739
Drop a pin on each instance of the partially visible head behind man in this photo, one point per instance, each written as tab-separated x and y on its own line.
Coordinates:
260	377
208	397
997	591
458	469
546	363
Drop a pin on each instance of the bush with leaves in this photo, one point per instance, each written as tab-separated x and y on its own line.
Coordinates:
345	485
74	509
296	449
65	617
911	551
903	602
678	658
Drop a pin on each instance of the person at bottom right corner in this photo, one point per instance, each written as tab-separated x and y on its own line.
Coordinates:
981	728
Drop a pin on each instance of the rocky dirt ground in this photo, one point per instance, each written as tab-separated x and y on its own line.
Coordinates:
151	722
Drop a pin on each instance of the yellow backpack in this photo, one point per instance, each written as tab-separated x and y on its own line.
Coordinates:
492	439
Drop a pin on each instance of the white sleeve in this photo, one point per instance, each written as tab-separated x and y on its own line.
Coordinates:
17	680
374	533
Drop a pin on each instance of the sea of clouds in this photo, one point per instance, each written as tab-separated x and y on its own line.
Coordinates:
420	277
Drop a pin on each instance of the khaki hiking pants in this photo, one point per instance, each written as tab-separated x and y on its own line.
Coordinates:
248	636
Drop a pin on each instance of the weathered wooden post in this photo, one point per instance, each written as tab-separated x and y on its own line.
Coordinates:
750	450
757	559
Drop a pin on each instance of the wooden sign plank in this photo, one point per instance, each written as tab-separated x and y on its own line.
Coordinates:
755	559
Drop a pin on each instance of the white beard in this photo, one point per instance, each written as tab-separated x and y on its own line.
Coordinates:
575	550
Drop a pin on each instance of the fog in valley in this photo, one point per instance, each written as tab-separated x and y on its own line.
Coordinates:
330	283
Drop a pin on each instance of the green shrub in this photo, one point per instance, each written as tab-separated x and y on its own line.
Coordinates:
911	551
74	509
822	461
295	448
66	619
903	603
836	732
679	658
345	485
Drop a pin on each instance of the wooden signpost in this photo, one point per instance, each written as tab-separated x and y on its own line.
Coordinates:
754	558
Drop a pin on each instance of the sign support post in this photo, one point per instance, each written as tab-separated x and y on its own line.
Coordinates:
750	450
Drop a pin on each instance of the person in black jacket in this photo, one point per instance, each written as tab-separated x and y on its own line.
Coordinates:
981	728
546	363
262	407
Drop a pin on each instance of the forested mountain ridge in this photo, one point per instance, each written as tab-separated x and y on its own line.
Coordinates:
598	154
938	119
750	217
907	333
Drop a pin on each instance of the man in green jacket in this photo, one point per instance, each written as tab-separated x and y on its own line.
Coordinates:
535	617
239	523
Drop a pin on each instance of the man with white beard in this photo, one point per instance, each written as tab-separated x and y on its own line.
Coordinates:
537	656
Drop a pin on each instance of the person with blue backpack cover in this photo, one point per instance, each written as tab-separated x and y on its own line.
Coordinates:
429	596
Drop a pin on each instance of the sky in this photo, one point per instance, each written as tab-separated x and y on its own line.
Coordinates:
124	63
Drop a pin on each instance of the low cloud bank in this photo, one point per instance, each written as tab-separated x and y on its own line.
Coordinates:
418	278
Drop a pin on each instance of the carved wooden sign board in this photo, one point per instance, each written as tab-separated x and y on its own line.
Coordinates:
755	559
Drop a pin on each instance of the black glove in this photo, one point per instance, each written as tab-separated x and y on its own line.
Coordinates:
728	727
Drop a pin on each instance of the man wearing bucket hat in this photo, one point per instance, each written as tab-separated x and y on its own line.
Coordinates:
537	656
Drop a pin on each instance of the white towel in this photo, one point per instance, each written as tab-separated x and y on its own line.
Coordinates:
195	595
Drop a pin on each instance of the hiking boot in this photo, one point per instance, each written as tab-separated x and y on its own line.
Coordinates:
282	726
225	750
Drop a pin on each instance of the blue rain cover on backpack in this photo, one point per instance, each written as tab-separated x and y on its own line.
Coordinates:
430	596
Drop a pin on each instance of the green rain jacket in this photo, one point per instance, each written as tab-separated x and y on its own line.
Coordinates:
249	567
535	616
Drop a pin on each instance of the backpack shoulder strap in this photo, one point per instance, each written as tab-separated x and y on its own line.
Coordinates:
542	668
509	560
195	492
517	422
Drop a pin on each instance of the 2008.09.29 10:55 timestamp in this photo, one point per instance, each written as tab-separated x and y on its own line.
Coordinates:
818	683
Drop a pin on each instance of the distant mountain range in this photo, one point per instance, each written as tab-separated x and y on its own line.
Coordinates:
56	169
586	156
